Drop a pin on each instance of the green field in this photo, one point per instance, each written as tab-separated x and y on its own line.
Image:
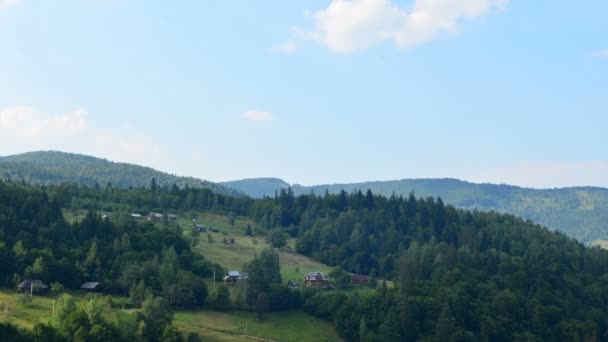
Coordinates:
210	325
280	326
293	266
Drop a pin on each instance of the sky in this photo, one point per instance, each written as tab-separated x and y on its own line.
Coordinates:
314	92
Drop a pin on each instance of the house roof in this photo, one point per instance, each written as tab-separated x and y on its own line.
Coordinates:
135	215
90	285
200	225
234	273
359	277
32	283
157	215
316	276
171	216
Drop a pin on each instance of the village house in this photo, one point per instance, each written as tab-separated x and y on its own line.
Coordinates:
201	227
155	217
214	230
233	277
316	279
229	241
33	285
172	217
358	279
91	286
137	217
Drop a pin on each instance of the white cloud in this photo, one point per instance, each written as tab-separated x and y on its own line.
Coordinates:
287	47
600	54
4	4
25	129
255	115
349	25
547	174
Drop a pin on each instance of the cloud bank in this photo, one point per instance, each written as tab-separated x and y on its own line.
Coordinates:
600	54
4	4
255	115
23	129
350	25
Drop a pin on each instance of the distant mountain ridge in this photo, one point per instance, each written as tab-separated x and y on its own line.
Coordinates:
580	212
53	167
257	187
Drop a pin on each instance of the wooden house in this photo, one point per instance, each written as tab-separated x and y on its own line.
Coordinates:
155	217
358	279
214	229
137	217
33	285
316	279
229	241
233	277
201	227
172	217
91	286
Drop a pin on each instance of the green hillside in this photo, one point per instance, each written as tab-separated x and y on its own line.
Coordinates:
52	167
580	212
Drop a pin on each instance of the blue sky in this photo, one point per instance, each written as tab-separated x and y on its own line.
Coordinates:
502	91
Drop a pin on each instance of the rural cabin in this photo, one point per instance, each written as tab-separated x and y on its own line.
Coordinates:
172	217
233	277
201	227
358	279
229	241
34	285
214	230
316	279
91	286
156	217
137	217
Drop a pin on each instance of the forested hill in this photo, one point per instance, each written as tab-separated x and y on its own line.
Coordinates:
257	187
580	212
458	275
51	167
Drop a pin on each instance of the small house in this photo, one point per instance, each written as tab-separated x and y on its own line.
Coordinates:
137	217
171	217
33	285
232	278
91	286
214	230
201	227
316	279
358	279
229	241
155	217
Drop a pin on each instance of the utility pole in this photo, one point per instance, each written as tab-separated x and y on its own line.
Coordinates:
53	307
31	289
213	277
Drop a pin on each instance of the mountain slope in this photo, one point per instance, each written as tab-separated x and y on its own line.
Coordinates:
257	187
51	167
580	212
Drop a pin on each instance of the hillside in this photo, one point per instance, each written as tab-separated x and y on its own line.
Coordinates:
580	212
52	167
257	187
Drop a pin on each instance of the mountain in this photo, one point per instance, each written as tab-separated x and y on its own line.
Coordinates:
580	212
52	167
257	187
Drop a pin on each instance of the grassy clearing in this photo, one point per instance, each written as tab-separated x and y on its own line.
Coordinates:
280	326
293	266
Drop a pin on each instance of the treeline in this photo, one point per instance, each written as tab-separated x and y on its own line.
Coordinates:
127	257
90	322
52	168
459	275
